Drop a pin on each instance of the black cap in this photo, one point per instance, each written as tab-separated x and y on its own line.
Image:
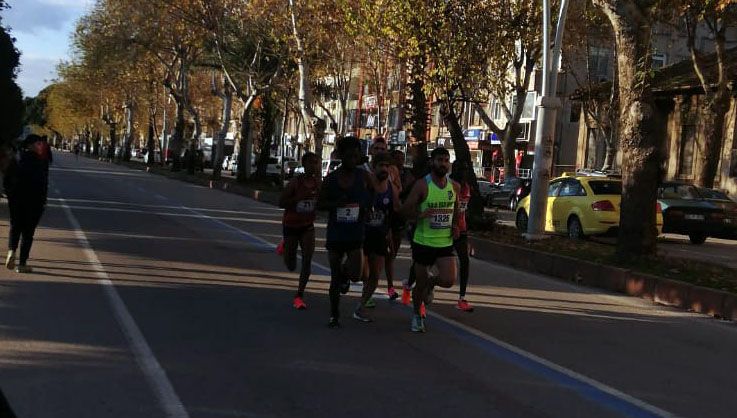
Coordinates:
31	139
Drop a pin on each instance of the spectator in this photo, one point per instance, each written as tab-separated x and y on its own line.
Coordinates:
26	185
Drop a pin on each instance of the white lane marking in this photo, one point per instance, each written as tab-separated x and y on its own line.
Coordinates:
560	369
114	173
181	215
152	370
110	202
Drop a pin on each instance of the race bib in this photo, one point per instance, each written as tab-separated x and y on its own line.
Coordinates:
377	218
463	205
306	206
441	220
348	214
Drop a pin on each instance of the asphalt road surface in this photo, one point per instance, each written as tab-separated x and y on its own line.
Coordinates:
156	298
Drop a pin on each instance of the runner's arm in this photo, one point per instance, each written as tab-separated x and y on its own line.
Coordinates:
410	208
456	211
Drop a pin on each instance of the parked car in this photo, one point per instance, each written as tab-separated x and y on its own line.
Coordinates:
580	206
509	193
485	188
729	206
687	212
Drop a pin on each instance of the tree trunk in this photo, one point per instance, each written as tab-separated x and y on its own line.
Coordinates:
126	151
639	128
268	125
509	148
175	142
151	144
712	117
113	143
418	114
223	132
244	146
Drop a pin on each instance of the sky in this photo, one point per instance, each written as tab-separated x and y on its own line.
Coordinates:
42	30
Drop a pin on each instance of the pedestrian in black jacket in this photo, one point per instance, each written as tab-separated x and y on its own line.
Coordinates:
26	185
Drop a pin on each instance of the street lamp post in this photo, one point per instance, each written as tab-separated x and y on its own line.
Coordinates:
547	113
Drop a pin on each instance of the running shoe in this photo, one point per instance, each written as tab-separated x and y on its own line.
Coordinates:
299	303
393	295
406	295
464	306
333	323
10	260
280	248
423	313
22	268
358	315
371	303
418	324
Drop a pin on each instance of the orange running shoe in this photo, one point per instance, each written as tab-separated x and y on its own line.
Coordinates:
406	295
280	248
299	303
464	306
422	310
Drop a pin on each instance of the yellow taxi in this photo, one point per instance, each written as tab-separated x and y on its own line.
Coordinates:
581	205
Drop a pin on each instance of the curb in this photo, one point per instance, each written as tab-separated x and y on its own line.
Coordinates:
716	303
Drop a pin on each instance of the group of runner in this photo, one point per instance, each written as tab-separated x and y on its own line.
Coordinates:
371	203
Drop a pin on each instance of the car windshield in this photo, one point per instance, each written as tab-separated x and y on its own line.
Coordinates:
679	191
606	187
712	194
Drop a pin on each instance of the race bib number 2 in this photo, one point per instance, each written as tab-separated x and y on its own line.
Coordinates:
348	214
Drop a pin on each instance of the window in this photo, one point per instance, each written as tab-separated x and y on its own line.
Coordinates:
572	188
688	142
712	194
599	60
606	187
496	110
658	60
524	133
553	189
528	111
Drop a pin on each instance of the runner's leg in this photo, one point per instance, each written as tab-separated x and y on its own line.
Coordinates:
336	272
421	285
461	246
376	262
290	251
307	244
447	271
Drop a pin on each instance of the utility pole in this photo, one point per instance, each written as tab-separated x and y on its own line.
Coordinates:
547	113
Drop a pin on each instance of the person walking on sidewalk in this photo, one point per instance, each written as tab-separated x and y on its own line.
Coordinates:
26	185
434	203
460	174
299	200
346	195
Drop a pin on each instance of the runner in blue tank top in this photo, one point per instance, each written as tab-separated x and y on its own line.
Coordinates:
346	194
376	244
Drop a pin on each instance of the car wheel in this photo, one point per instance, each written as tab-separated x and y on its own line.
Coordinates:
575	230
513	203
697	238
521	221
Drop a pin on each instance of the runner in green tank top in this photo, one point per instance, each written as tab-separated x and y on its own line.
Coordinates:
434	203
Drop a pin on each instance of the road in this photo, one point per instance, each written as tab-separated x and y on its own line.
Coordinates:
152	298
714	250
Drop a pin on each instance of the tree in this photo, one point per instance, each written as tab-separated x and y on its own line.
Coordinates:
517	50
640	129
11	106
715	16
